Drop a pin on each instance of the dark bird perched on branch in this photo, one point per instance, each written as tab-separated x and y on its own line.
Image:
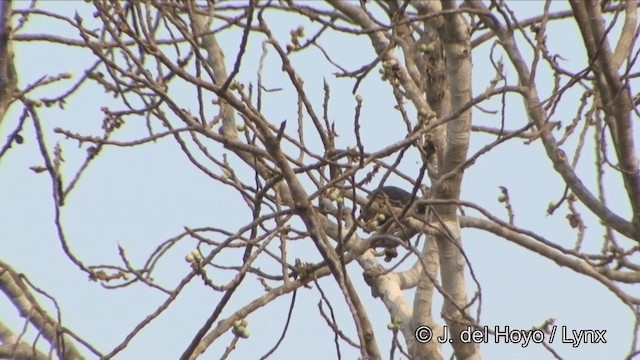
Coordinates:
387	204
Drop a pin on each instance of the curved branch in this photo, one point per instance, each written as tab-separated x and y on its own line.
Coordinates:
537	114
527	242
616	98
16	290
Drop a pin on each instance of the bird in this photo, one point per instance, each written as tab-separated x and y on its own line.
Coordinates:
387	204
384	200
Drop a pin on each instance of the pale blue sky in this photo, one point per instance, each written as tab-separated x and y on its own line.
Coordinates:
139	197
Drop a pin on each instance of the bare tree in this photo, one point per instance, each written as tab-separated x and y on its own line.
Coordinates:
313	181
